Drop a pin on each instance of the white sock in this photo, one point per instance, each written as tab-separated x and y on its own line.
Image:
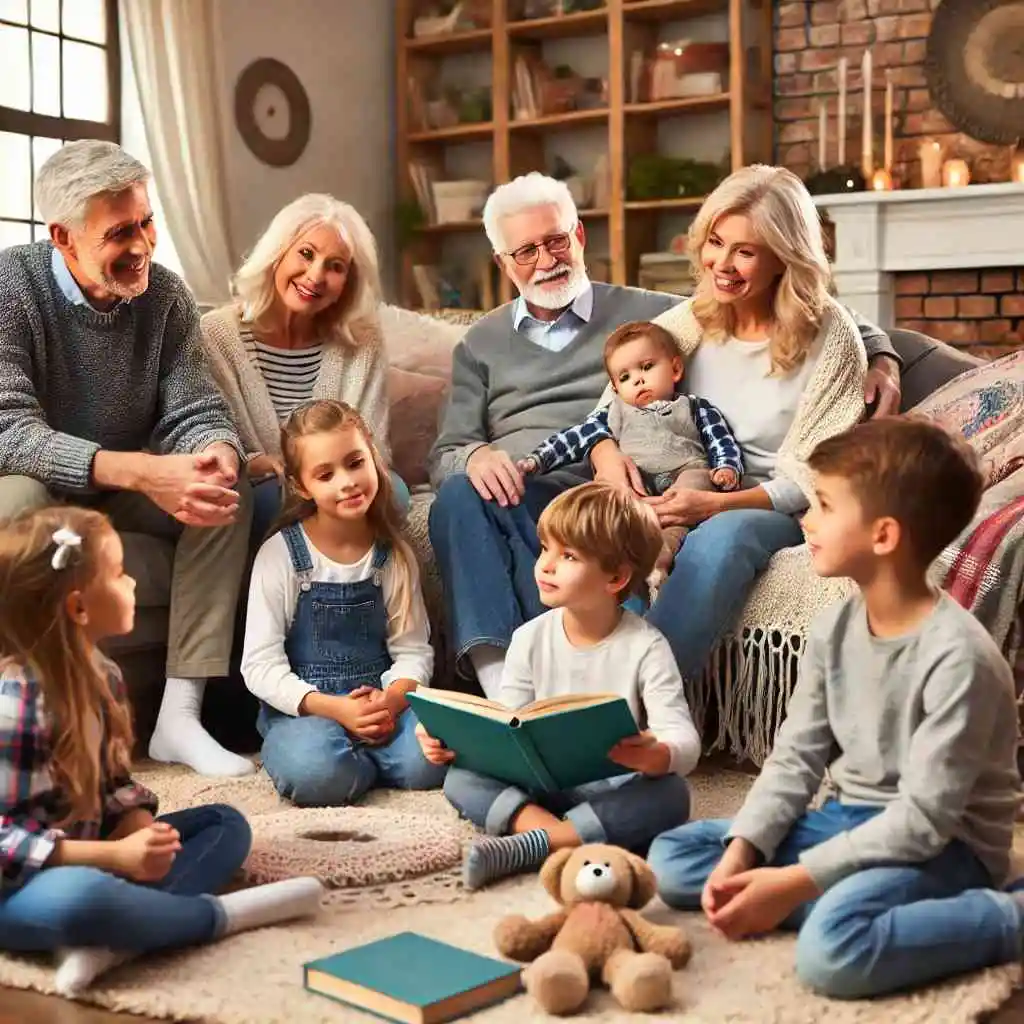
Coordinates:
268	904
489	664
78	968
179	735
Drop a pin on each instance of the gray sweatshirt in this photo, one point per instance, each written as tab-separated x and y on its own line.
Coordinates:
923	725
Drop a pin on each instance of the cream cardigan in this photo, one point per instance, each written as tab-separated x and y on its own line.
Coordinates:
356	375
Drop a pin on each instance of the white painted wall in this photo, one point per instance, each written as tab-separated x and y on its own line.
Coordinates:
343	53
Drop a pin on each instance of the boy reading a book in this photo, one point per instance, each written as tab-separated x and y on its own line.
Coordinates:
597	543
907	705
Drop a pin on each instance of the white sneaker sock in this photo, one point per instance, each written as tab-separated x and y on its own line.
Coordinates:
269	904
179	735
78	968
489	664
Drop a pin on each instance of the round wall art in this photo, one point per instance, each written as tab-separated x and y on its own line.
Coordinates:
272	112
975	67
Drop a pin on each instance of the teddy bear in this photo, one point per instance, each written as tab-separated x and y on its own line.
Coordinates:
598	934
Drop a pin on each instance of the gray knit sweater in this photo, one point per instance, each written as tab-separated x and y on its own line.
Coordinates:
74	380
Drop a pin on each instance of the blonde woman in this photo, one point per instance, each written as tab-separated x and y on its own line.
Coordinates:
784	362
304	325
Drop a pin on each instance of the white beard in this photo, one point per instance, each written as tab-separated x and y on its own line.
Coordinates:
556	298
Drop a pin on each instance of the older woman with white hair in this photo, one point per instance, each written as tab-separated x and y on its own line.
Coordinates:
304	325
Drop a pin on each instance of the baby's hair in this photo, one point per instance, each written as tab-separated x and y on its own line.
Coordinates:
910	469
606	524
322	416
635	330
38	635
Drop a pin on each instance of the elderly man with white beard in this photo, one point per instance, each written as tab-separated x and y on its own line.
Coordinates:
105	401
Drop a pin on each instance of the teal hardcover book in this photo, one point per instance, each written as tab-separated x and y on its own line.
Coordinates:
547	746
412	979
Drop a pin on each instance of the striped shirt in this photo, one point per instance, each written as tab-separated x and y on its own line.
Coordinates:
289	373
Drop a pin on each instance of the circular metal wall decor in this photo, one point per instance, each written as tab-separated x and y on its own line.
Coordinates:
272	112
975	67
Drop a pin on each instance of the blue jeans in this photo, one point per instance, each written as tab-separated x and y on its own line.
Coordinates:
713	574
877	931
315	763
84	906
486	554
627	811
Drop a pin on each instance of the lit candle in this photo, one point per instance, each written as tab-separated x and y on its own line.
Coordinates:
888	124
930	153
956	174
822	133
841	131
881	180
1017	164
867	158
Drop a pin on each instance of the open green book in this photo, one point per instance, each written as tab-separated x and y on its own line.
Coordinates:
546	746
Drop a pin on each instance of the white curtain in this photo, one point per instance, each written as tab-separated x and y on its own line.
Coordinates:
172	53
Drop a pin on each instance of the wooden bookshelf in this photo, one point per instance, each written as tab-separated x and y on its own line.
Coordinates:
740	113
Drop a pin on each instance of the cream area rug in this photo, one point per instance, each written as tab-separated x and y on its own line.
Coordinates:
256	978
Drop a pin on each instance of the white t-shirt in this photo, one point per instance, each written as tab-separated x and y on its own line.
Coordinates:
634	661
273	597
734	376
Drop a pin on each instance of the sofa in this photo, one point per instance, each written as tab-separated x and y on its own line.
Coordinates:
420	348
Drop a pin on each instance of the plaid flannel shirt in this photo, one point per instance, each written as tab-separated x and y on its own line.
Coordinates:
567	447
30	804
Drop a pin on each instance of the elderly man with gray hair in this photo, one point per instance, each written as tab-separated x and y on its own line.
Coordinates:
105	401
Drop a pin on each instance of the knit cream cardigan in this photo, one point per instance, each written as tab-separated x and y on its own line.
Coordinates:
353	374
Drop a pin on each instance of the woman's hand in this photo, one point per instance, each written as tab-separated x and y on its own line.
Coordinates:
433	750
680	506
262	467
612	467
146	855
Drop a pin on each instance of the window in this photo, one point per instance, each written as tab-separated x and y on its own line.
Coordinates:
61	80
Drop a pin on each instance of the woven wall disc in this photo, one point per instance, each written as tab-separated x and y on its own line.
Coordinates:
272	112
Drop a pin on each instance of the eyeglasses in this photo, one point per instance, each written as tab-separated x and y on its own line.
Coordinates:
530	253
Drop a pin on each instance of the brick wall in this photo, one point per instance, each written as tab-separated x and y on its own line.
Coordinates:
983	311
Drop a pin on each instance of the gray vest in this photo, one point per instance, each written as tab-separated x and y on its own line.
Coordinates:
659	438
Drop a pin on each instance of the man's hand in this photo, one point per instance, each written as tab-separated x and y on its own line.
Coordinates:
262	467
759	900
642	753
680	506
433	750
219	464
612	467
146	855
495	476
725	478
185	487
882	387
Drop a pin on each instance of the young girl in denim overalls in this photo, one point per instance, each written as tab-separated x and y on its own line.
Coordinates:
336	633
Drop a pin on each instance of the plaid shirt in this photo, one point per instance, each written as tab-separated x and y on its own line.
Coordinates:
570	446
30	804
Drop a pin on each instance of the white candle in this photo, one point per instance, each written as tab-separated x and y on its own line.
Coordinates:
822	133
931	163
841	132
867	157
888	124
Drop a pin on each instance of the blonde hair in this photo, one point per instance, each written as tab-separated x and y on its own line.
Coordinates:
320	417
253	284
37	634
605	524
786	220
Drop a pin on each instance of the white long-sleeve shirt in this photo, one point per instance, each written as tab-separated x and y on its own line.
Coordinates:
633	661
273	597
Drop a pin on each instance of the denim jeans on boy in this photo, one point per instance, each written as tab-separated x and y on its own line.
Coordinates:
84	906
879	930
486	555
338	642
713	574
628	810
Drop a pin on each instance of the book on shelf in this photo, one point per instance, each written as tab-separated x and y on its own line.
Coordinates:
546	746
412	979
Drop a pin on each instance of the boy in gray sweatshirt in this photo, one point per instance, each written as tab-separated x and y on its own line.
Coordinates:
906	706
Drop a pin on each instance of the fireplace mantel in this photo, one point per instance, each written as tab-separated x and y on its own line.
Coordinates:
879	234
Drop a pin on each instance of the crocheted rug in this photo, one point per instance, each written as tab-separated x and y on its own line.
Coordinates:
256	978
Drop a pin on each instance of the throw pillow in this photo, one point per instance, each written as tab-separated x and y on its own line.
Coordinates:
421	344
416	404
986	406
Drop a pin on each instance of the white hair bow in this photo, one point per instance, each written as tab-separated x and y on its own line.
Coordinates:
65	540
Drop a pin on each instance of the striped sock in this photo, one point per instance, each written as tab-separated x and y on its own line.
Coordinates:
498	856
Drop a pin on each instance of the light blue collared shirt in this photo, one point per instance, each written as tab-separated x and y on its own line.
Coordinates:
554	335
67	284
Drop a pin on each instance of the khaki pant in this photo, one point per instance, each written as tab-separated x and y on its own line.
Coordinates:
693	480
209	565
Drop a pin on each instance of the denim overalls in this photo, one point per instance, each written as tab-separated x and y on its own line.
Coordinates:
337	642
